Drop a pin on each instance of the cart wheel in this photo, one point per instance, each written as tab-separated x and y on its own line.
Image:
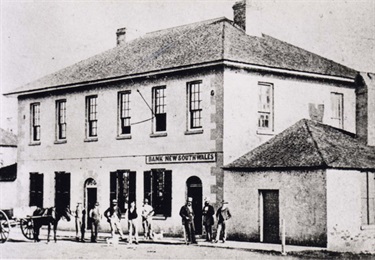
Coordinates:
4	227
27	227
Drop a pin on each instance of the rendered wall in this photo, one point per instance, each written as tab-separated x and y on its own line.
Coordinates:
345	230
302	204
292	98
97	159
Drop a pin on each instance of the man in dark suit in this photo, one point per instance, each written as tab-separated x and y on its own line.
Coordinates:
208	213
187	215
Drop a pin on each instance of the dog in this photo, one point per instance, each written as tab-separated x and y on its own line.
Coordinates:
158	236
112	241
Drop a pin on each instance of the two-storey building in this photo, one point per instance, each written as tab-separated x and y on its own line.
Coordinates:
157	117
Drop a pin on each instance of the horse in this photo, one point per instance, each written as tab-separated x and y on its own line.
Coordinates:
48	216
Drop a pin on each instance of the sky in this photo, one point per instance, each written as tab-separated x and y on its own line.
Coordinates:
41	37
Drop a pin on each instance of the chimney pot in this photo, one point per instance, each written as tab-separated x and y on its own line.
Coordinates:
121	36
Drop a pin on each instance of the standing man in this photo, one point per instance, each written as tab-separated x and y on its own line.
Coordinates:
208	218
222	215
147	213
113	215
95	216
187	215
133	227
80	222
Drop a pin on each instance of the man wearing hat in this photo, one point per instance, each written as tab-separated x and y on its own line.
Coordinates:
113	215
222	215
187	215
95	216
80	222
147	212
208	213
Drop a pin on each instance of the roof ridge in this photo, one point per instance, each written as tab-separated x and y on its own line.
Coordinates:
212	20
305	121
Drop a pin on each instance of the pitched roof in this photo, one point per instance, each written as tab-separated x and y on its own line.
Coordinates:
7	139
193	44
309	144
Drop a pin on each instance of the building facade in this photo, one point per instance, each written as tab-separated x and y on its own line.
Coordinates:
158	117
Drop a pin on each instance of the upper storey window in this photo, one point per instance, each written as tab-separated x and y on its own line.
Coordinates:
159	108
124	113
35	122
195	105
61	119
265	107
91	116
337	109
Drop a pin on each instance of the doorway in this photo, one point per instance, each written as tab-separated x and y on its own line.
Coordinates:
269	216
90	198
194	190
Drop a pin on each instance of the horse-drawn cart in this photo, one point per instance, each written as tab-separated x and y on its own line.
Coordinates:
10	218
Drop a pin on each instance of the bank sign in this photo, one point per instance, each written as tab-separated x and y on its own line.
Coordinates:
181	158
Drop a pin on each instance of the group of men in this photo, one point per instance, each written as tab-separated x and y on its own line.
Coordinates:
222	215
113	216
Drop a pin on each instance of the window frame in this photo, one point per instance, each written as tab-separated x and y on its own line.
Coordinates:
91	123
337	109
62	189
162	204
123	192
194	100
159	117
35	125
263	110
36	189
61	126
124	117
368	199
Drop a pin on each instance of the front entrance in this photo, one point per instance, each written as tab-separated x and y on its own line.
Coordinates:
194	190
269	214
90	198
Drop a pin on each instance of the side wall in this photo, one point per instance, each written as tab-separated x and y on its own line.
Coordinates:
302	204
345	230
293	99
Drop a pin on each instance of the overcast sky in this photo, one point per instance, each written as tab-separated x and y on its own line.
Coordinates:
41	37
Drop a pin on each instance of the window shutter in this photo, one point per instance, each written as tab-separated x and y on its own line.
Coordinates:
132	186
112	186
168	193
147	187
39	190
32	189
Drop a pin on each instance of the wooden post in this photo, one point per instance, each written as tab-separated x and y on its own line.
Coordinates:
283	252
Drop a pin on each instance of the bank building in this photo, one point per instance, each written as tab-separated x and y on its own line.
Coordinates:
159	117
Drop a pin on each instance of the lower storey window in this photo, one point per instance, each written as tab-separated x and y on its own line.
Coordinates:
62	190
122	188
158	190
36	189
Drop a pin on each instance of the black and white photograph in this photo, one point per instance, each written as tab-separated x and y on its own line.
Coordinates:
187	129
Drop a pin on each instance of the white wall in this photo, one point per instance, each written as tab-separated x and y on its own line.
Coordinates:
291	103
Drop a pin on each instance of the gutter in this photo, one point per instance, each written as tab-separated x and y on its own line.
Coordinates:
182	68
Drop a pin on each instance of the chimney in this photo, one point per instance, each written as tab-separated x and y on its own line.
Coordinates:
247	15
365	107
121	36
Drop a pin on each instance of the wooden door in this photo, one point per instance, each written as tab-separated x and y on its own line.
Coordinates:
271	216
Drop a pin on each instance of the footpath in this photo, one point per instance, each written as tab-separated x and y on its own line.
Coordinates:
252	246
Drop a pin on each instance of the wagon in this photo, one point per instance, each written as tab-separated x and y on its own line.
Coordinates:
10	219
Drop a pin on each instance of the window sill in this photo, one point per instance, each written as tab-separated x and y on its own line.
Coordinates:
123	137
60	142
159	217
92	139
194	131
34	143
265	132
158	134
368	227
